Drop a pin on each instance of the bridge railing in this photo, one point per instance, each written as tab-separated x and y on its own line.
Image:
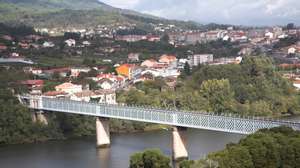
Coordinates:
170	117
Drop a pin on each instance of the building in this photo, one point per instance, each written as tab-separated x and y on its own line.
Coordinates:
75	71
85	95
63	72
194	37
153	38
198	59
48	44
69	88
106	96
105	83
70	43
296	84
133	57
131	38
55	94
269	35
130	71
292	50
33	83
167	59
150	63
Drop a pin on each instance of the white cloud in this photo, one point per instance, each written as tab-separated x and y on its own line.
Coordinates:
249	12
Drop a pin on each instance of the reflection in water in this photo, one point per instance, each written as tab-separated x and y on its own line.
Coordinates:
103	155
83	152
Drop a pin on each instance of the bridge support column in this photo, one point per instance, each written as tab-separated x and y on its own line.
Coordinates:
102	132
39	116
179	143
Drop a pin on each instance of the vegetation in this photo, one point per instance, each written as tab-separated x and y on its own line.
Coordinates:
268	148
274	148
74	13
16	124
252	88
149	159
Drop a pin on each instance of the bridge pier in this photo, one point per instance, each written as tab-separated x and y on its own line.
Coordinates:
102	132
179	143
38	116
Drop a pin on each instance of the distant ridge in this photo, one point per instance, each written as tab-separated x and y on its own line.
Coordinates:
70	13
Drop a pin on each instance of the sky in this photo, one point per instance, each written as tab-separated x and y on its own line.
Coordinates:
238	12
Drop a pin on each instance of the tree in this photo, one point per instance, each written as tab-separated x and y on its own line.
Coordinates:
290	26
152	158
165	39
267	148
187	69
218	94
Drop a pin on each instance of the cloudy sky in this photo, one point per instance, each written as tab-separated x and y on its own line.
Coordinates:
244	12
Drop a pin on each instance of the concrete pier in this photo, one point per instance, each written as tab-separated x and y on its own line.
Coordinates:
102	132
179	143
39	116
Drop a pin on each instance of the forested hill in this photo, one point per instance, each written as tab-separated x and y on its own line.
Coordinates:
70	13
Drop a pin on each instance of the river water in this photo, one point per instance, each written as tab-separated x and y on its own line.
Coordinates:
82	153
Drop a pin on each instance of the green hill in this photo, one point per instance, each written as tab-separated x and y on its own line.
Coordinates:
73	13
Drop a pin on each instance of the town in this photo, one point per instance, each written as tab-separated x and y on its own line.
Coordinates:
182	84
91	81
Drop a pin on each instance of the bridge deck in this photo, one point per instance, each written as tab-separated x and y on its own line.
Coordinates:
176	118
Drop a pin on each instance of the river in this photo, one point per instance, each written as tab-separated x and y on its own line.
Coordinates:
81	153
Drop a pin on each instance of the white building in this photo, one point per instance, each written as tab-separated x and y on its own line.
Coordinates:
198	59
75	71
69	88
296	84
106	96
269	35
105	83
292	50
48	44
70	43
83	96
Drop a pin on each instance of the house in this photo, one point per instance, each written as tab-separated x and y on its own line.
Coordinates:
296	84
36	71
83	96
106	96
75	71
150	63
23	45
167	59
34	86
105	83
70	43
3	47
198	59
292	50
55	94
86	43
63	72
153	38
48	44
193	37
131	38
129	70
133	57
7	37
69	88
269	35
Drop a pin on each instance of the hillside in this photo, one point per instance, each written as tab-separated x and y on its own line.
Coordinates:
71	13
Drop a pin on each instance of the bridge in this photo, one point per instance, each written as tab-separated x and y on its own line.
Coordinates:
180	120
16	60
